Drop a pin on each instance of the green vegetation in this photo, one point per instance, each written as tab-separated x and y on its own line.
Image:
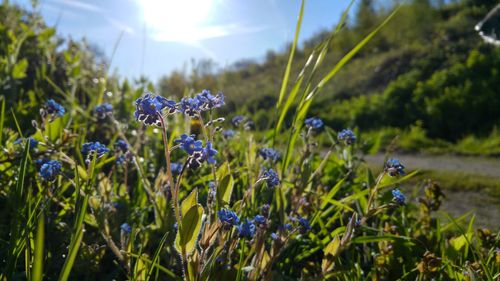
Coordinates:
428	69
90	191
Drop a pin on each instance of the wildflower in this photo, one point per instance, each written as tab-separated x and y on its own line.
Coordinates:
394	167
288	227
208	102
274	236
52	107
314	123
269	153
271	177
121	145
304	225
33	142
98	148
49	169
149	107
209	153
249	125
237	120
189	144
103	110
195	160
246	229
260	220
190	106
120	160
398	196
176	168
347	136
264	210
125	227
228	217
227	134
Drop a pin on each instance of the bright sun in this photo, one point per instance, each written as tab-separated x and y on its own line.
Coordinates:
176	20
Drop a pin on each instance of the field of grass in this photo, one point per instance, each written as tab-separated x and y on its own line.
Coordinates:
104	179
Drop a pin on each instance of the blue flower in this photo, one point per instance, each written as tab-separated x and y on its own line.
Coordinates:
314	123
288	227
121	145
190	106
246	229
149	107
209	153
228	217
126	228
52	107
347	136
304	225
227	134
269	153
394	167
237	120
271	177
207	101
260	220
176	168
398	196
120	160
98	148
49	169
274	236
33	142
103	110
189	144
249	125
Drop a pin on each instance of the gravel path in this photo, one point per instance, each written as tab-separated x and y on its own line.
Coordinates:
456	203
471	165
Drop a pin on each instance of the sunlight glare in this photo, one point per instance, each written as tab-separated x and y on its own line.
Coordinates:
176	20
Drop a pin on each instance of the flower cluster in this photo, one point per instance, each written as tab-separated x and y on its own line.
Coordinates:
394	168
269	153
94	148
271	177
121	149
197	153
48	169
228	217
246	229
148	109
304	225
347	136
53	108
398	196
202	102
314	123
227	134
103	110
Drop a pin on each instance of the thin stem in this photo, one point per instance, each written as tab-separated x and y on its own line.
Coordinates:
374	191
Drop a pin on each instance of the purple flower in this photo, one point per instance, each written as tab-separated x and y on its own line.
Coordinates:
207	101
149	107
237	120
227	134
228	217
190	106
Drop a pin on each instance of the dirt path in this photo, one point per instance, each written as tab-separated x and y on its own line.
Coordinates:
471	165
456	203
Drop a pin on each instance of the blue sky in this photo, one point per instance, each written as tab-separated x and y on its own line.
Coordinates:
159	36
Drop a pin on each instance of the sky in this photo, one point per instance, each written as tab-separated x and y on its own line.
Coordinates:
156	37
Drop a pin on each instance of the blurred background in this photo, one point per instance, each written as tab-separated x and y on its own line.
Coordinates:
425	88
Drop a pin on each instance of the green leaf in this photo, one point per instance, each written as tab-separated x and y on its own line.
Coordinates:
39	245
19	69
53	130
190	228
189	201
224	190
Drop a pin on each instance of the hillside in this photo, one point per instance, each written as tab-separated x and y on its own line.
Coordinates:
427	68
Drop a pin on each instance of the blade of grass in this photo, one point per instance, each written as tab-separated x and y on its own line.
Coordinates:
39	248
